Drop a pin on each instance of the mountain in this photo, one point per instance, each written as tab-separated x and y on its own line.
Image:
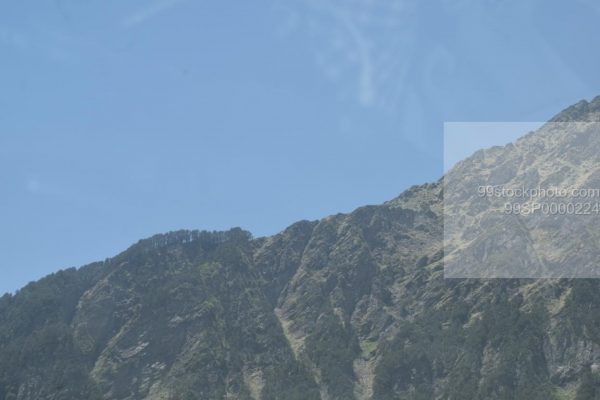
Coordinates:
535	202
352	306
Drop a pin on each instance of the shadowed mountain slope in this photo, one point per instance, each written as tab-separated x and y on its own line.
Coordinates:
353	306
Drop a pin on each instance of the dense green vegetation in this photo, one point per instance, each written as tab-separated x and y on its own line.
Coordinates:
354	306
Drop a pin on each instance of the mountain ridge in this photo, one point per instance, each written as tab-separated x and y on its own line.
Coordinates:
350	306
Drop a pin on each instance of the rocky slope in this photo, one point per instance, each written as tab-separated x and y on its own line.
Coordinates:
353	306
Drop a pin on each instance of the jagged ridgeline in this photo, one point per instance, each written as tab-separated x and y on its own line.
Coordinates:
353	306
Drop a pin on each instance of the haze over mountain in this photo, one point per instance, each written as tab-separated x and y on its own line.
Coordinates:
352	306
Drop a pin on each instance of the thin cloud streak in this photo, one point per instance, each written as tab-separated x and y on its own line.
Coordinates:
146	13
363	45
366	91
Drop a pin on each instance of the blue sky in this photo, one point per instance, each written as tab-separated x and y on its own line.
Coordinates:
124	118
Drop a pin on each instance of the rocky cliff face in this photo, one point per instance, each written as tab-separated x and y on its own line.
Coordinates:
353	306
540	214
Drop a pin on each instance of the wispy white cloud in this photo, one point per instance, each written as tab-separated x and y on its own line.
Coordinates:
365	45
148	12
366	90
